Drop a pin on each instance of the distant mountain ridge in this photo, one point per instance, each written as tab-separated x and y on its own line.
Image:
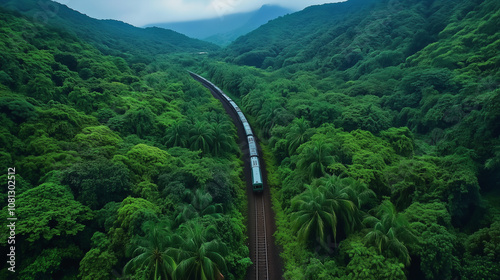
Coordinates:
224	30
358	36
109	36
286	40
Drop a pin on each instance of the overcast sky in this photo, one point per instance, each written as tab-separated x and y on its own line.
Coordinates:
142	12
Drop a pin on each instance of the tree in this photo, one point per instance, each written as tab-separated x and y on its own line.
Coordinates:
84	99
49	262
367	116
201	137
268	115
482	257
436	245
97	141
254	101
313	215
141	121
150	254
145	161
177	135
49	210
299	134
389	232
96	183
356	191
133	212
314	158
201	205
97	265
97	136
63	122
67	59
41	88
222	138
365	263
199	255
17	109
401	139
320	208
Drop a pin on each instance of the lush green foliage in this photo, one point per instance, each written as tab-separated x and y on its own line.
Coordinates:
123	41
398	96
378	121
111	159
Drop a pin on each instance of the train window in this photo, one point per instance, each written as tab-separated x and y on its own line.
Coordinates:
254	161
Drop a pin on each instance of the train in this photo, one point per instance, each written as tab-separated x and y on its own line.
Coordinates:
257	182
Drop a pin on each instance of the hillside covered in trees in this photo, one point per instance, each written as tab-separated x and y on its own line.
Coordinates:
379	120
382	117
111	37
116	161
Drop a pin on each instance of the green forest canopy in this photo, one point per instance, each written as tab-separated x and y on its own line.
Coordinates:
380	116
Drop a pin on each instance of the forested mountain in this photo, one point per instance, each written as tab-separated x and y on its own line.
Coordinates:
383	120
418	59
378	122
260	17
304	31
226	28
342	35
109	36
115	162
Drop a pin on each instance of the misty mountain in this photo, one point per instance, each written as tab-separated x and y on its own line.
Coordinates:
109	36
223	30
347	34
311	31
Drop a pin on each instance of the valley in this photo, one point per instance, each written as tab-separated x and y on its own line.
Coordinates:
377	124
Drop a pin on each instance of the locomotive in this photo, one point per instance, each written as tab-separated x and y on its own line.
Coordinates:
257	183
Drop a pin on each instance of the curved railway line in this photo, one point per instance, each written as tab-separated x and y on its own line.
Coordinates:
261	262
263	252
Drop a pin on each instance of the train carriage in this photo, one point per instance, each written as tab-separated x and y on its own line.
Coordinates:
248	129
256	175
242	117
236	108
252	147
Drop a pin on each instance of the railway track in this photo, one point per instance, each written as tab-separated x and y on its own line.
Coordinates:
261	261
263	252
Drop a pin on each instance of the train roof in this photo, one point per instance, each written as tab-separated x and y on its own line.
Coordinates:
256	176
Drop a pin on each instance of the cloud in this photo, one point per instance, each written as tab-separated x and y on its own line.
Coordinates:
143	12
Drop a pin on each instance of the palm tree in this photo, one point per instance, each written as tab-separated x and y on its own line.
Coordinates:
201	137
199	256
215	117
346	200
150	253
141	121
222	138
390	231
266	117
299	134
319	209
201	205
315	158
358	192
253	102
313	215
328	206
177	135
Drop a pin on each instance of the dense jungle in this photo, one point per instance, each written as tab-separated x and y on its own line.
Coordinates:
379	121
